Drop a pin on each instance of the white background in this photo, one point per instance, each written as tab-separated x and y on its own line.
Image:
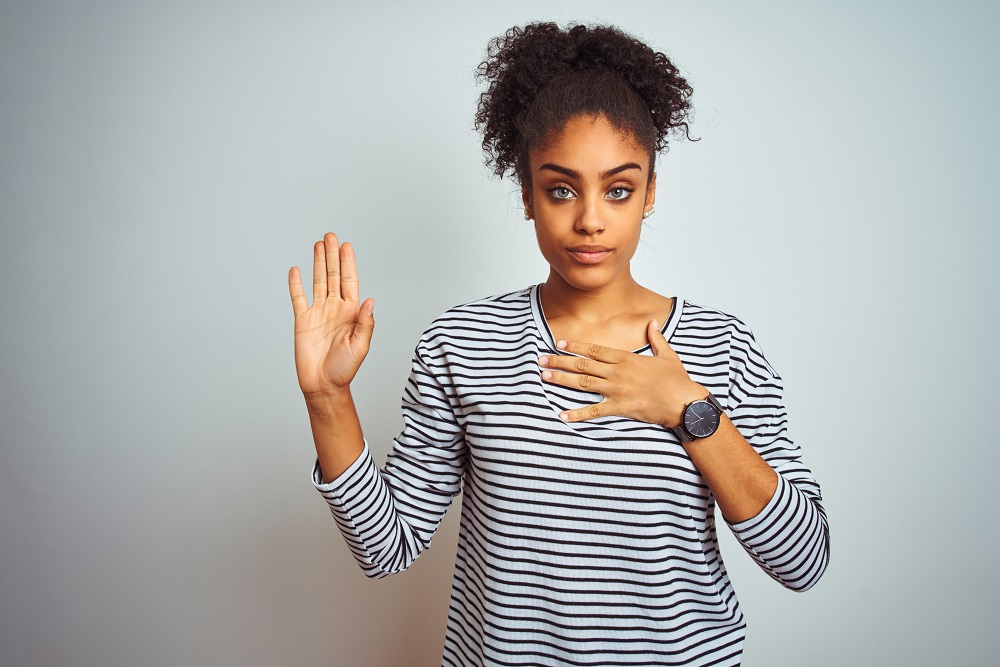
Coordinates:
163	164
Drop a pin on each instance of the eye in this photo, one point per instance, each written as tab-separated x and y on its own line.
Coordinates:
619	193
561	192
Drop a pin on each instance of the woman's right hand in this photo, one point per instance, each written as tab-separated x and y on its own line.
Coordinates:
333	335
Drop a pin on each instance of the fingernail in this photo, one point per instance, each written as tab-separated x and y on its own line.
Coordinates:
564	416
542	361
561	345
546	375
656	325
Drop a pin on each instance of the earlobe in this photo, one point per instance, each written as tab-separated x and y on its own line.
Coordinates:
647	205
529	213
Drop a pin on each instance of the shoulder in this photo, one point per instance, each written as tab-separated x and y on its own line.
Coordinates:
696	318
498	304
489	318
712	326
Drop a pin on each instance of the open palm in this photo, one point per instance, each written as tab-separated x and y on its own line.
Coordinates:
333	335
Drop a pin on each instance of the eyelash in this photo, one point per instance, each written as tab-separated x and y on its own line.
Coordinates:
557	188
628	192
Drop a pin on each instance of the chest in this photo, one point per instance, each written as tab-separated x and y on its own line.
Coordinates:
519	451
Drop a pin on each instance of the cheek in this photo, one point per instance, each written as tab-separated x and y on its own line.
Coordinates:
629	242
549	245
544	238
635	238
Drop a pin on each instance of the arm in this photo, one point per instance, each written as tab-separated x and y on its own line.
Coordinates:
741	481
336	432
387	517
789	537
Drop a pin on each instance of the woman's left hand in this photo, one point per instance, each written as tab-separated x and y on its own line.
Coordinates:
651	389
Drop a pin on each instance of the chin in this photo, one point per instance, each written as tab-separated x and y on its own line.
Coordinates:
587	280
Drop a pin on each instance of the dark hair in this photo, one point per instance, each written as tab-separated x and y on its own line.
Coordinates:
541	76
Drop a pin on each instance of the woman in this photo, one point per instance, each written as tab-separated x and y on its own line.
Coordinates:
592	423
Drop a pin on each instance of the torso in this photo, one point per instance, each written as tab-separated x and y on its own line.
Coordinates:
591	542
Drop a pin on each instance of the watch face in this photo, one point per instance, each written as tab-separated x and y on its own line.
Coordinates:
701	419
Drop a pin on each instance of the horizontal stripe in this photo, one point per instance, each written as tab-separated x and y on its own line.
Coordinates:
590	543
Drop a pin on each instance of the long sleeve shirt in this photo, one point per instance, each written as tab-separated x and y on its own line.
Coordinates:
586	543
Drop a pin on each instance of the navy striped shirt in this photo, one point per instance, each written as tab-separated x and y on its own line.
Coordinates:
588	543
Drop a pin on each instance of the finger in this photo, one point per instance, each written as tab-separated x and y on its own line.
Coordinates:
332	276
364	327
588	412
299	302
656	340
573	364
659	343
349	273
575	381
608	355
319	273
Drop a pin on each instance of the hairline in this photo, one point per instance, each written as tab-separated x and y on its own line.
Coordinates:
552	133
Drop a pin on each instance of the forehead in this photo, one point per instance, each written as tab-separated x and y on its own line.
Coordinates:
589	144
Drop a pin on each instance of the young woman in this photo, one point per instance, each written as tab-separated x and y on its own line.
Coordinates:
592	424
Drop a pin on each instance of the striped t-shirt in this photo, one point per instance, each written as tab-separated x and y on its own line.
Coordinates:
586	543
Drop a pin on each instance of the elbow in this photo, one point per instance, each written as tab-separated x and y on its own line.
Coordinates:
374	571
389	562
811	570
805	584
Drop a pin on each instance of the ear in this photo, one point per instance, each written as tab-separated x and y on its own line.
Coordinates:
529	211
650	191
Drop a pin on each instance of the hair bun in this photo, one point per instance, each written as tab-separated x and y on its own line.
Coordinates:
524	61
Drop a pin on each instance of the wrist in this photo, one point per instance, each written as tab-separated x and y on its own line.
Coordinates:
325	404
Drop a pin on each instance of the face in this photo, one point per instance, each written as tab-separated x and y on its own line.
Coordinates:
589	187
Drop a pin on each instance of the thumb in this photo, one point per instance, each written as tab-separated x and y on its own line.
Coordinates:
657	342
364	326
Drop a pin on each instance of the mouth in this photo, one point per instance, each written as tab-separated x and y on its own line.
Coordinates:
589	254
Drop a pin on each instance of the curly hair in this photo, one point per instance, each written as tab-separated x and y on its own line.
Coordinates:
541	76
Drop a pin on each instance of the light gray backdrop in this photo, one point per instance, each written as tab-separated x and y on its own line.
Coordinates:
163	164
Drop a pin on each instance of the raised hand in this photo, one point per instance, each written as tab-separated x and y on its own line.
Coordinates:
333	335
651	389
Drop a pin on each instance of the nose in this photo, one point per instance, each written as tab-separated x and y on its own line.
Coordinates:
589	220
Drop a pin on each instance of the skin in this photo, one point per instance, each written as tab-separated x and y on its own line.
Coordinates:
332	339
589	186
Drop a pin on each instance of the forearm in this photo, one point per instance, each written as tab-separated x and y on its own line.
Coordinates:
772	504
741	481
423	472
336	432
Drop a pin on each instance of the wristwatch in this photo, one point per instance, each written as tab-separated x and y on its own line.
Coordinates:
700	419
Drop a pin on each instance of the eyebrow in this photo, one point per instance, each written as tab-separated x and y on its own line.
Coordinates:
602	176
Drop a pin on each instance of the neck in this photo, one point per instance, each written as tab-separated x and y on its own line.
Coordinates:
602	304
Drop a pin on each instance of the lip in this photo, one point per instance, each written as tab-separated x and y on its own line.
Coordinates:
589	254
